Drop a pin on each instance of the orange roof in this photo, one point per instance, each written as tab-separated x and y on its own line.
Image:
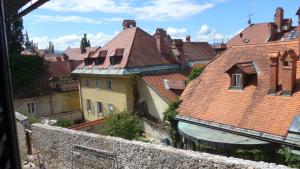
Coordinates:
209	98
75	53
157	83
198	51
253	34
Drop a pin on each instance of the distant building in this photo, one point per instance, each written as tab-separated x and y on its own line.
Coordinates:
137	71
281	29
247	98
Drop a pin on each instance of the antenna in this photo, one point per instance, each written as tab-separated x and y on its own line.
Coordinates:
249	17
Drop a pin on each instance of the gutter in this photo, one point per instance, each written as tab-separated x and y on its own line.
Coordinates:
289	141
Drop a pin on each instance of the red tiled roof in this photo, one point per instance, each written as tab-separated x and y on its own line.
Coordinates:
196	51
157	83
63	68
209	98
75	53
253	34
68	86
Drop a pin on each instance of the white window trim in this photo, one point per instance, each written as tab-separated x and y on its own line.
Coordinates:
99	112
109	105
235	75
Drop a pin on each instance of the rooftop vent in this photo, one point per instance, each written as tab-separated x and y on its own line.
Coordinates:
127	23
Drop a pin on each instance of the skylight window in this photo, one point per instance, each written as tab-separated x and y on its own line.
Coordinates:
295	126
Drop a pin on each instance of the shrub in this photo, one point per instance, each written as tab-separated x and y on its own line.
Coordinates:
64	122
31	117
124	125
290	159
195	73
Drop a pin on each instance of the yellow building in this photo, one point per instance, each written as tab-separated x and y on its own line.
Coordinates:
112	77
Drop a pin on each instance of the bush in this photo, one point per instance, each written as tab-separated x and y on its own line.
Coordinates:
124	125
64	123
169	115
195	73
31	117
290	159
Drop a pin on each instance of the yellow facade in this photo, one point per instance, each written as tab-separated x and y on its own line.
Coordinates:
121	95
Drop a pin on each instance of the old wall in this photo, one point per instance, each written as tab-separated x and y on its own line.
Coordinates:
58	147
51	104
154	130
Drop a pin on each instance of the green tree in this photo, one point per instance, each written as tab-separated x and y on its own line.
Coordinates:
169	115
15	37
195	73
84	43
29	75
125	125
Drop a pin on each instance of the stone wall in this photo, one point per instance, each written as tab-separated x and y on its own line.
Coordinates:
21	139
154	130
64	148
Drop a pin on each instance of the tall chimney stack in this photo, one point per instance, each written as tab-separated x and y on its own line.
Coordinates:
127	23
188	38
273	85
160	36
298	13
279	14
289	66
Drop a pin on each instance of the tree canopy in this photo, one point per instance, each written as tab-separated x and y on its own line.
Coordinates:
125	125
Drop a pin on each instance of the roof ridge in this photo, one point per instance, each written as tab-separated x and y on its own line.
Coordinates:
265	44
131	45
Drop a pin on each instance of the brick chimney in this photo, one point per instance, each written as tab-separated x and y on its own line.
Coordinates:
127	23
178	45
289	66
278	17
298	13
160	36
273	85
188	38
58	59
272	31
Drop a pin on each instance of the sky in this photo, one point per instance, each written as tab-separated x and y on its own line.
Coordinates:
65	21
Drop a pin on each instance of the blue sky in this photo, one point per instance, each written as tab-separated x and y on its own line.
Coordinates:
64	21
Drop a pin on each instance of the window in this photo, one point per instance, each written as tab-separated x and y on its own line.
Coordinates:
99	107
109	85
110	108
31	107
98	84
236	80
88	105
87	83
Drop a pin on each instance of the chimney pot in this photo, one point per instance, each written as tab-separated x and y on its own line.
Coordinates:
188	38
127	23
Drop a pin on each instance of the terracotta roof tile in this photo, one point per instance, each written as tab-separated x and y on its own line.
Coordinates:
196	51
209	98
75	53
157	83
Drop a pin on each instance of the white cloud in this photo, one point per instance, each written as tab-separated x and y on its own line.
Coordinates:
74	19
208	35
176	33
72	40
171	9
150	10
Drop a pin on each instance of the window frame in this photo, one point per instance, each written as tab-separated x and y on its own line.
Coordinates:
110	105
237	80
99	111
109	85
87	83
88	105
31	106
98	84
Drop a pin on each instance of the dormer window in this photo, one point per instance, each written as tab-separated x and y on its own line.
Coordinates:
117	58
242	75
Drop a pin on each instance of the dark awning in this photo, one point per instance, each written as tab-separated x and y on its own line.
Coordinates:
217	138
